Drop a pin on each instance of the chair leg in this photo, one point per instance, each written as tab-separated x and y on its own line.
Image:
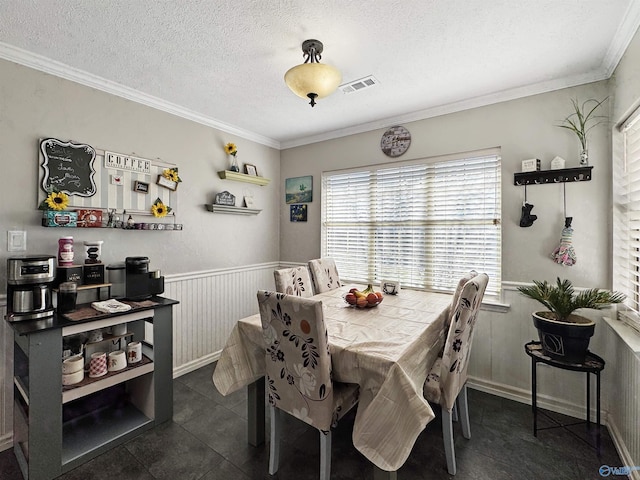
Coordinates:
274	449
464	412
454	412
447	437
325	456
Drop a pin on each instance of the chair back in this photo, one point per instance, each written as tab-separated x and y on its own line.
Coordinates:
298	362
294	281
324	274
456	296
457	348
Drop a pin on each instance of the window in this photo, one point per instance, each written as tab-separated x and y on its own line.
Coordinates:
423	223
626	231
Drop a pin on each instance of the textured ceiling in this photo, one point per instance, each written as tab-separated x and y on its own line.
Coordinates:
222	62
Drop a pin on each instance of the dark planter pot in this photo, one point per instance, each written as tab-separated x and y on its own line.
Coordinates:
567	342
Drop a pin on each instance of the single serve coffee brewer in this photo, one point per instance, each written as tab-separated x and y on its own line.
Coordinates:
140	283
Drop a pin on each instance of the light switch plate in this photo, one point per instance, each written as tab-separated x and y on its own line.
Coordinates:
16	241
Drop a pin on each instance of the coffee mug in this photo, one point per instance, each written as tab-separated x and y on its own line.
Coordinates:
134	352
98	364
117	360
390	287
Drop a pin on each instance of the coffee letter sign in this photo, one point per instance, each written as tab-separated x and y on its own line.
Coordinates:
68	167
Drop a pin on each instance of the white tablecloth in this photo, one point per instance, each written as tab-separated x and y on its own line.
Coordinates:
388	350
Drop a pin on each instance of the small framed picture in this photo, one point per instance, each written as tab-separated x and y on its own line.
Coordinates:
298	213
250	169
248	201
166	183
140	187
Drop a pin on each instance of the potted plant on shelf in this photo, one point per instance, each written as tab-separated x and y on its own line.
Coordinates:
581	121
564	335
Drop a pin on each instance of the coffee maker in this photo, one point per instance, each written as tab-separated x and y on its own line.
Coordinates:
140	283
29	285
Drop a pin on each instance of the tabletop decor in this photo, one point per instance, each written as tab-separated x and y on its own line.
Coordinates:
564	335
159	209
231	149
367	298
581	121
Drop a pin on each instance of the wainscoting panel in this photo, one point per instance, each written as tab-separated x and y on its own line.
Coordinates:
210	304
624	403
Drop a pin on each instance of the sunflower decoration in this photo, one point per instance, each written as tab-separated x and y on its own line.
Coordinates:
159	209
55	201
171	174
231	149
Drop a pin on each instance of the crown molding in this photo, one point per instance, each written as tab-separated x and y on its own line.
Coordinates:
625	33
58	69
475	102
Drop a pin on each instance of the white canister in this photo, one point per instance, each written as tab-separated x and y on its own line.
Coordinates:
120	329
134	352
117	360
72	378
72	364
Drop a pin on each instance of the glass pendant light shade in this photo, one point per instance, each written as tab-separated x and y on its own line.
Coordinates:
313	79
318	78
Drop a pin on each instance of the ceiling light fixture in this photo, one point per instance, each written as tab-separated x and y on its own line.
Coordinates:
312	79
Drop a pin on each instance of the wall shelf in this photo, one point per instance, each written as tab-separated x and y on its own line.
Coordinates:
231	210
243	177
563	175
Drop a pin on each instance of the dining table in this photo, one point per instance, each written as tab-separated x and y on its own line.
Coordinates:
388	350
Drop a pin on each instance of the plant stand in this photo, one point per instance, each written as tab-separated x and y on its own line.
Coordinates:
593	364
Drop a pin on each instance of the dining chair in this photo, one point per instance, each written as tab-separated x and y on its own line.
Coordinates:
446	382
298	367
324	274
294	281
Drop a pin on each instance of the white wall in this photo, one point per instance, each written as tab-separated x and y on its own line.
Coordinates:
523	129
36	105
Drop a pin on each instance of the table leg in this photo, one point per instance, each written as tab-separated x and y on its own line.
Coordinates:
588	401
379	474
255	412
534	404
598	410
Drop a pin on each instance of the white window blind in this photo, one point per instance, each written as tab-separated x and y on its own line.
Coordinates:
627	221
424	224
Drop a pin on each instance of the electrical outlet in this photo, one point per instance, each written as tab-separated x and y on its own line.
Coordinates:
16	241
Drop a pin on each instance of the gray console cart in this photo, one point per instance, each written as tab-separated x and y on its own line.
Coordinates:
57	428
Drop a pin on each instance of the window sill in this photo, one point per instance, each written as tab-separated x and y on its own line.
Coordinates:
627	334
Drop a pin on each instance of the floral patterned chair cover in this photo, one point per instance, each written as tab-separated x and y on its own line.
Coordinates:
298	366
324	274
294	281
446	382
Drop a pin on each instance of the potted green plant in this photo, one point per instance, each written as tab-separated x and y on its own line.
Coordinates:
563	334
581	121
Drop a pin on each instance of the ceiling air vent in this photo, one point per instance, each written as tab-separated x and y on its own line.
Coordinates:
359	84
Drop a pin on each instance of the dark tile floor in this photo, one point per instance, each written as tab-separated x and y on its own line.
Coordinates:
207	441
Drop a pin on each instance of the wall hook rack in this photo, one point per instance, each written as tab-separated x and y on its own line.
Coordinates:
540	177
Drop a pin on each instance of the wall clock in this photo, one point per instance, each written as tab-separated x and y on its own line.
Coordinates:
395	141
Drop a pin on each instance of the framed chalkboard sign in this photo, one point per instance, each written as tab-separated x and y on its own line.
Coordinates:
68	167
225	198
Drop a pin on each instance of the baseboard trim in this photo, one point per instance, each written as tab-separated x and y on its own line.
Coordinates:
6	442
622	450
196	364
524	396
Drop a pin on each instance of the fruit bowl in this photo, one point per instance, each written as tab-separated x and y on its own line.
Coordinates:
363	299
